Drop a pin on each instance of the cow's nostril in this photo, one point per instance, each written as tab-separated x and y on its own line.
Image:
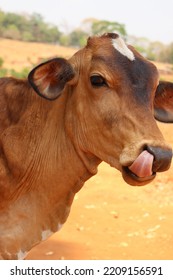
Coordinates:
162	158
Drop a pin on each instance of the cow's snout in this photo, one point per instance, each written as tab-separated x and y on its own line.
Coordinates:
143	169
162	158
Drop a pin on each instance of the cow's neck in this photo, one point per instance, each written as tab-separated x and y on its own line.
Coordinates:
44	194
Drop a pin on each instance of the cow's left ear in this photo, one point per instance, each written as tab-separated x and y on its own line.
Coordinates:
49	78
163	102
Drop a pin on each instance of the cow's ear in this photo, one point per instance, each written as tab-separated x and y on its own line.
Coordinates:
49	78
163	102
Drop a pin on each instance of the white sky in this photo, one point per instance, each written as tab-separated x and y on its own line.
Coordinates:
148	18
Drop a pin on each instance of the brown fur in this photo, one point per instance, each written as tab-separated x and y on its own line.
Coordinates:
48	149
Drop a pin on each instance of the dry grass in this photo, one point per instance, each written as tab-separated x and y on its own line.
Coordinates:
165	70
18	55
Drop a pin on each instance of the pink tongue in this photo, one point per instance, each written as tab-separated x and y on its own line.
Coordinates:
142	166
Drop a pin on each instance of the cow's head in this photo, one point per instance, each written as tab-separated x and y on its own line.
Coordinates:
112	92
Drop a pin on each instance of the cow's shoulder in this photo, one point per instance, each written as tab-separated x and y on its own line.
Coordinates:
14	98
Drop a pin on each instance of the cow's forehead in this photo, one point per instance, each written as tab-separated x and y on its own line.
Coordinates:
111	49
110	40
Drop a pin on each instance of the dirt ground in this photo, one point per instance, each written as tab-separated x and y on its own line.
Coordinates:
18	55
111	220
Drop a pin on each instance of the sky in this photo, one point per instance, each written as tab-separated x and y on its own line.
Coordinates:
152	19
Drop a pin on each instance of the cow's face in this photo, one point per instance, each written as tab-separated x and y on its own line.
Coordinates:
111	95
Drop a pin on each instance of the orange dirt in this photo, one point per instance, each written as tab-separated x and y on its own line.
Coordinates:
109	219
18	55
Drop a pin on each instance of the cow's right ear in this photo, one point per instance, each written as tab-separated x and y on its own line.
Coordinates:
49	78
163	102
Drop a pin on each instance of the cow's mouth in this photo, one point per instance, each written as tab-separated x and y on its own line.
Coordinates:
134	180
140	171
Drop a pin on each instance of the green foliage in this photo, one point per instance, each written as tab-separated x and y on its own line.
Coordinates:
64	40
1	62
27	28
33	28
166	54
3	72
102	26
20	75
12	32
11	72
155	51
27	36
78	38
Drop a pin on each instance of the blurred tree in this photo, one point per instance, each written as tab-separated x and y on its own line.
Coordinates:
77	38
34	28
37	26
102	26
92	26
1	62
153	51
170	53
64	40
53	34
86	25
27	36
12	32
1	22
27	28
43	32
166	55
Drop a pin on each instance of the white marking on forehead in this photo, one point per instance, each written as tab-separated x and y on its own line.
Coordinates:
121	47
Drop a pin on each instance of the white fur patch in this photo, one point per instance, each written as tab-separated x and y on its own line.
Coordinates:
45	234
121	47
21	255
59	227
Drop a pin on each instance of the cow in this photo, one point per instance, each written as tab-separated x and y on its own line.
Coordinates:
61	122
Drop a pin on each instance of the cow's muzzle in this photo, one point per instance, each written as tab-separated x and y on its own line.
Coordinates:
162	158
150	161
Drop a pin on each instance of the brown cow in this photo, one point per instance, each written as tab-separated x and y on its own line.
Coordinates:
48	149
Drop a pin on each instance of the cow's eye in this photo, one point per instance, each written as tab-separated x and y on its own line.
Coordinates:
97	81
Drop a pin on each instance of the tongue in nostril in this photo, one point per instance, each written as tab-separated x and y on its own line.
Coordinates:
142	166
